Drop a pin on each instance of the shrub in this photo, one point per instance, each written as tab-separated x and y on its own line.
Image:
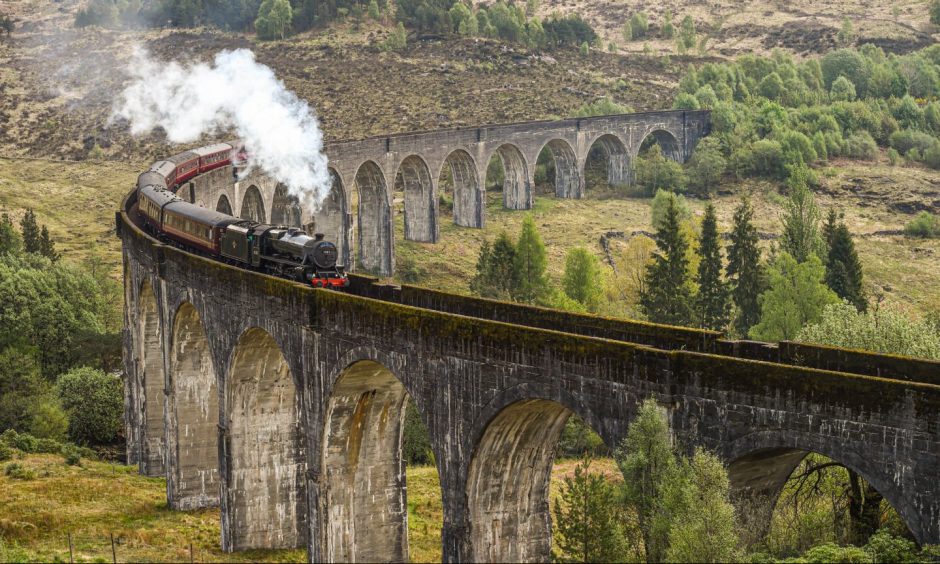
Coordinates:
25	442
926	226
908	139
860	145
6	453
94	402
72	456
48	446
50	421
17	471
893	157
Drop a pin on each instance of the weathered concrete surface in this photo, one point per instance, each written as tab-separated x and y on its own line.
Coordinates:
358	214
493	396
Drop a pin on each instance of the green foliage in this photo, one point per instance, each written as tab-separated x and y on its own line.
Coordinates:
568	31
797	296
396	40
894	158
582	279
49	421
686	101
662	201
801	218
843	269
10	239
627	32
72	456
274	19
588	519
832	553
907	139
745	273
496	275
17	471
935	12
654	172
846	34
885	329
667	297
94	402
860	145
578	439
926	226
842	90
601	107
373	10
712	305
639	24
429	15
22	389
31	233
529	264
7	24
707	166
6	453
47	246
668	31
687	38
585	48
416	442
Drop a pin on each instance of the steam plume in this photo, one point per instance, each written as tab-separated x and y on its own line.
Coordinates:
236	92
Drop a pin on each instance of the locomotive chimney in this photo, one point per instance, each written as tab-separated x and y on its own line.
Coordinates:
318	236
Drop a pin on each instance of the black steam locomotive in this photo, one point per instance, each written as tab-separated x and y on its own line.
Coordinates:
275	249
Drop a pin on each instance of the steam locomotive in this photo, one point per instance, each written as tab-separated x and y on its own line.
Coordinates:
274	249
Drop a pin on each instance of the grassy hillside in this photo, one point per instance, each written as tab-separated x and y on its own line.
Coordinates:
95	500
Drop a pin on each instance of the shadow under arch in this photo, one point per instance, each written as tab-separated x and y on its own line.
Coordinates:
761	463
414	179
193	458
153	383
253	205
517	186
568	180
332	219
362	497
263	486
374	220
509	476
611	151
223	205
468	196
666	141
285	208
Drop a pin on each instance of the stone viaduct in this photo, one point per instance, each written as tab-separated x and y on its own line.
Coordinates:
358	214
284	404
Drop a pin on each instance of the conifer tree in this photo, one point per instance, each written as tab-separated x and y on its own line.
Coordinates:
844	270
30	230
829	228
495	276
744	271
588	519
10	241
712	305
529	264
47	246
800	220
668	297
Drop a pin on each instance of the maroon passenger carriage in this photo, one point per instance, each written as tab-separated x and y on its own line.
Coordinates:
275	249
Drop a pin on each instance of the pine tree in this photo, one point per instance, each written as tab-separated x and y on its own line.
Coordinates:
744	269
30	230
587	519
844	270
529	264
829	228
668	297
582	279
495	276
47	246
10	240
712	305
801	221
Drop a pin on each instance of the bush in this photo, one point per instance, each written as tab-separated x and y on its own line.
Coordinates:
893	157
25	442
48	446
94	402
908	139
6	453
654	172
50	421
860	145
926	226
72	456
17	471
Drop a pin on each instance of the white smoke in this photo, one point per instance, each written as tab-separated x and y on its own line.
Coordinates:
279	130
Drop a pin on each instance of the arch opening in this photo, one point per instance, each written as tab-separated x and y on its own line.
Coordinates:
414	180
333	220
460	191
224	206
559	166
264	487
516	184
285	208
509	479
778	490
363	494
253	205
193	483
150	367
667	143
607	166
374	221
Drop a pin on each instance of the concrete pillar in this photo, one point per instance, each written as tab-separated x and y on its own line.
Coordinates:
375	228
415	178
151	375
469	195
517	179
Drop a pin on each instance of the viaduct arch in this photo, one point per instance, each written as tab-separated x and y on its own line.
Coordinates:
283	404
